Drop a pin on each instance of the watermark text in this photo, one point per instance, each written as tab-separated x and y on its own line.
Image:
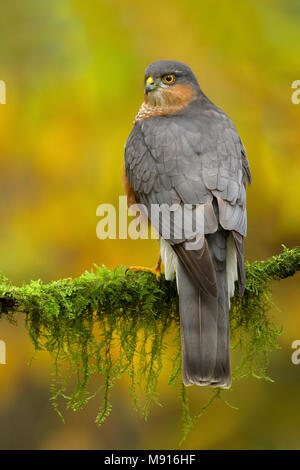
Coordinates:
296	354
296	94
175	223
2	352
2	92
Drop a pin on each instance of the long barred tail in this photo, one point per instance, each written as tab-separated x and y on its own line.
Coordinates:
204	321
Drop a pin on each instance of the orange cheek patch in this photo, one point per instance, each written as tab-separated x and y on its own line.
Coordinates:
178	95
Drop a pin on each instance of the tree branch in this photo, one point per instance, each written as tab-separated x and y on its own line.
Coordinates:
110	323
106	285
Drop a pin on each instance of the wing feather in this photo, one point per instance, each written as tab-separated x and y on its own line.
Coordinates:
193	157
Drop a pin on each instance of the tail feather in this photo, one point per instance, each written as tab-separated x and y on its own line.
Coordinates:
198	350
222	372
204	321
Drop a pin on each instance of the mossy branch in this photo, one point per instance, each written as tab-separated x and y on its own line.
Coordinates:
110	323
72	296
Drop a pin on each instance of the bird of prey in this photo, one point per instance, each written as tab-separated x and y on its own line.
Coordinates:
185	150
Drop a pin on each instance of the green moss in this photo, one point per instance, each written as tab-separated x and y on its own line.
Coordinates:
110	323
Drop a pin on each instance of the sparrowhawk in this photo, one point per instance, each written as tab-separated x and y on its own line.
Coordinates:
185	150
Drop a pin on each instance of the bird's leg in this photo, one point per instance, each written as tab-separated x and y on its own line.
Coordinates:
156	270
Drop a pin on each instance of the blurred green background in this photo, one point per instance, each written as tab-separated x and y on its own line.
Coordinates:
74	76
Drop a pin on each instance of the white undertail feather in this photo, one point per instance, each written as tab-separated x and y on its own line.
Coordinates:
169	259
231	266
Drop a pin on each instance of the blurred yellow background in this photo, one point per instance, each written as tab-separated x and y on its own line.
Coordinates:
74	77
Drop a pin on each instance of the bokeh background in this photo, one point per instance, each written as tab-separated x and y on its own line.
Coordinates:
74	76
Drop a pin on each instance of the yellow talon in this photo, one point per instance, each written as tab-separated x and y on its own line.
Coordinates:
156	270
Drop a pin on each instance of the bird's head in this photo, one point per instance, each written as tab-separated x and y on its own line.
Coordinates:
170	83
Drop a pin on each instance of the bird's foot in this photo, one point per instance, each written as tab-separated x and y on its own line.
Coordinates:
156	270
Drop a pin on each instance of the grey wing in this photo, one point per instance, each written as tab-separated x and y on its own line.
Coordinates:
196	159
156	161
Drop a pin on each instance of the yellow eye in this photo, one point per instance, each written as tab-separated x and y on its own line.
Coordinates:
168	79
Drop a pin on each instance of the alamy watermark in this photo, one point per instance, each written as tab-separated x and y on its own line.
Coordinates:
296	94
2	101
2	92
2	352
175	223
296	354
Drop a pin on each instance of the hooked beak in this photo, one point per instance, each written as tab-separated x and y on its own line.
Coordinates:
150	85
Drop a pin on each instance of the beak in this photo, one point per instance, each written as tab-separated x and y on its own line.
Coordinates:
150	85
